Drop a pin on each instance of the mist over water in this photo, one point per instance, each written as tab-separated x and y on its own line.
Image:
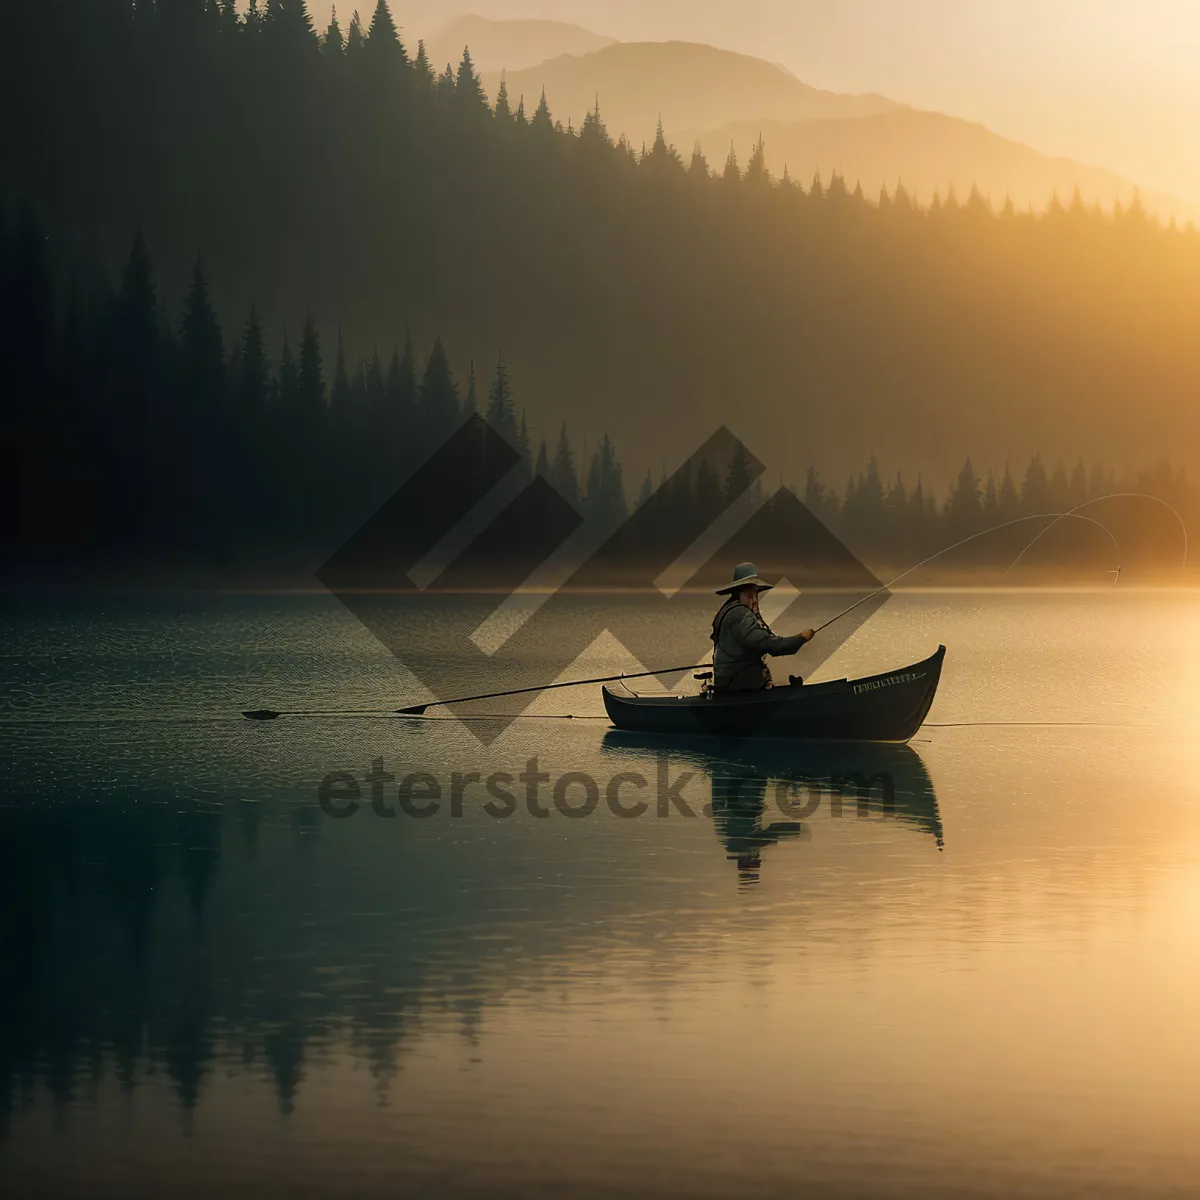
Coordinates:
982	984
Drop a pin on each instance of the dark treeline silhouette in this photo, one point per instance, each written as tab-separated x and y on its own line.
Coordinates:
633	289
136	439
140	440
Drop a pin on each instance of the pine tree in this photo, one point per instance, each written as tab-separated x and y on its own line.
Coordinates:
740	474
592	133
663	159
1059	489
254	376
311	380
895	506
964	507
137	303
356	39
1034	490
542	467
407	394
468	88
439	395
605	501
521	120
542	120
471	404
376	391
991	502
1009	502
816	191
501	415
708	491
814	492
562	473
503	110
698	171
289	380
423	71
870	496
334	44
445	85
289	26
732	174
383	38
201	345
756	170
340	396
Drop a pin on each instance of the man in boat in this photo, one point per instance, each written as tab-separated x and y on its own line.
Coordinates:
742	639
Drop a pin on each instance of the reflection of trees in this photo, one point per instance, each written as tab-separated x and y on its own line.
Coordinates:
164	934
115	958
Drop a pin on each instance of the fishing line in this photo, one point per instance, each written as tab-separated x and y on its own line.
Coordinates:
1054	518
1111	496
1035	725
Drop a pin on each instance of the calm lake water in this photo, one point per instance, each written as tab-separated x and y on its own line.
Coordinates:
977	974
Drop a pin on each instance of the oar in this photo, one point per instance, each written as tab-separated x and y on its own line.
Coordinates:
417	710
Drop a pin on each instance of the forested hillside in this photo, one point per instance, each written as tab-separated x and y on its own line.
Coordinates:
652	295
198	452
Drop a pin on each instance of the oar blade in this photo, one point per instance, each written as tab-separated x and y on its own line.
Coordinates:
413	710
261	714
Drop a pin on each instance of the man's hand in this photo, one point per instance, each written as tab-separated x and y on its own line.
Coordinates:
808	635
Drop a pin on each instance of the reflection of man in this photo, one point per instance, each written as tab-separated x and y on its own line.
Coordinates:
738	803
741	638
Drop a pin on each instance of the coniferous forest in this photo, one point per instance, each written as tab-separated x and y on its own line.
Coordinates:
311	213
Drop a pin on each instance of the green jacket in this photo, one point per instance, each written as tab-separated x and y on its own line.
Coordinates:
741	638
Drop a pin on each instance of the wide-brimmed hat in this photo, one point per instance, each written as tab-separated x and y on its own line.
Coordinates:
745	575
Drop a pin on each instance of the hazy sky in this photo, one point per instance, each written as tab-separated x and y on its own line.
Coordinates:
1111	82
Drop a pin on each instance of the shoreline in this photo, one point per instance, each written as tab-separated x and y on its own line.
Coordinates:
946	583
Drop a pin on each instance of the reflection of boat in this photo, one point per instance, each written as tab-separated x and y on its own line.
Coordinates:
853	780
877	708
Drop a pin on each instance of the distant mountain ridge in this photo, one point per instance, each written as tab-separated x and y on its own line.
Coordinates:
496	45
718	98
929	152
687	84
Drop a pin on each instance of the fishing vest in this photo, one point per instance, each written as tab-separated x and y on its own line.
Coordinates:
736	668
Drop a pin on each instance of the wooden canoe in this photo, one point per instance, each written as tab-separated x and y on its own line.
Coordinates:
877	708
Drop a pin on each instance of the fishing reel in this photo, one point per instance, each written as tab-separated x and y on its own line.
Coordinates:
706	684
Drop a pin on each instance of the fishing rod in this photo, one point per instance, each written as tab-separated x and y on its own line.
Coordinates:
418	710
983	533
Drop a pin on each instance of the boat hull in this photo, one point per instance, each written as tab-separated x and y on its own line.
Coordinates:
876	708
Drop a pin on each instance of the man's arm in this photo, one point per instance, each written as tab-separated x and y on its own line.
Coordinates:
749	633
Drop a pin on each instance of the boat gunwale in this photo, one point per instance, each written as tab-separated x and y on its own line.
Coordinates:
768	695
